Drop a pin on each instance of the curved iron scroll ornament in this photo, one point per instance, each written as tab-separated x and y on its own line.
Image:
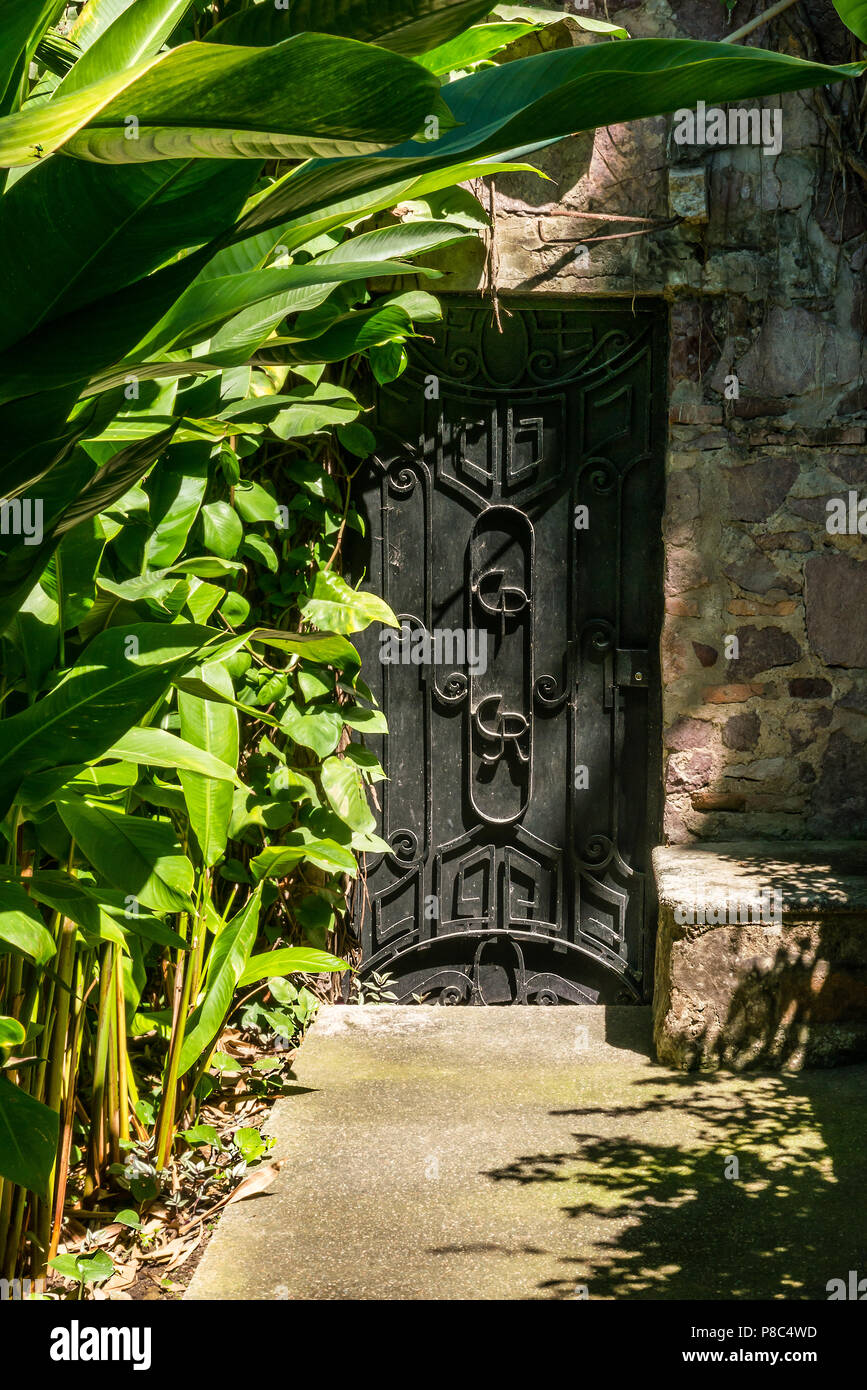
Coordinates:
518	808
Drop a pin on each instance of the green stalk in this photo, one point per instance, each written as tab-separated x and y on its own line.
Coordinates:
13	1240
7	1192
113	1080
56	1069
65	1146
123	1065
166	1122
96	1155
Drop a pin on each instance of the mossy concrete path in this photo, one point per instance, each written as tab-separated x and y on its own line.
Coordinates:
531	1153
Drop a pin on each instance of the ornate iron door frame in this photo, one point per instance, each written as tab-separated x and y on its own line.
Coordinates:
514	525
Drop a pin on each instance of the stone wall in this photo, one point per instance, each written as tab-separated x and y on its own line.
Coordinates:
762	262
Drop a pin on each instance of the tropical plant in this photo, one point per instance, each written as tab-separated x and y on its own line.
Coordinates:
195	212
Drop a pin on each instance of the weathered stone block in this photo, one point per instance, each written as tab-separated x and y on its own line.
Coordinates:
758	489
687	194
760	648
741	732
836	594
688	733
761	956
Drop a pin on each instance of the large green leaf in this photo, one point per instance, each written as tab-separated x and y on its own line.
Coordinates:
479	43
288	960
21	925
11	1032
208	303
277	861
404	26
853	14
95	18
115	225
140	856
510	110
314	409
342	785
219	102
333	212
28	1139
158	748
326	648
212	727
22	24
386	321
543	14
138	32
393	244
71	494
335	607
313	728
229	956
109	690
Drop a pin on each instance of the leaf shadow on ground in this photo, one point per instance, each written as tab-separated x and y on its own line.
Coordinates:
715	1185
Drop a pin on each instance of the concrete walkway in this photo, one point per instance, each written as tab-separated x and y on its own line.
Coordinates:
531	1153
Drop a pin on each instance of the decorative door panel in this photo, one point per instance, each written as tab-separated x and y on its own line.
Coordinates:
513	523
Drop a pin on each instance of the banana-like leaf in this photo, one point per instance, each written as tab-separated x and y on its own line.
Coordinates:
228	960
95	18
216	102
116	225
854	15
111	687
213	728
138	32
507	112
159	748
142	857
325	647
330	214
404	26
28	1139
476	45
394	243
70	495
541	14
206	305
22	24
21	925
290	960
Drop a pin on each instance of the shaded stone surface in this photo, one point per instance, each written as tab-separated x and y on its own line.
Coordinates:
758	489
836	595
514	1154
761	955
760	648
741	732
839	804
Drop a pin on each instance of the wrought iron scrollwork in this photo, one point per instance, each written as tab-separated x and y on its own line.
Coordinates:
508	880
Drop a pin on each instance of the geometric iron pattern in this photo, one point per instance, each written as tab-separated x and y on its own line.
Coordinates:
517	500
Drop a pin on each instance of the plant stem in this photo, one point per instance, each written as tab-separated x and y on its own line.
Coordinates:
122	1054
56	1071
166	1122
96	1157
68	1118
759	20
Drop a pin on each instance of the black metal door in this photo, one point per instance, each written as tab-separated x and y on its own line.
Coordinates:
513	524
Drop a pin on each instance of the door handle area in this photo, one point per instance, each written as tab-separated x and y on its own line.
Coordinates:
631	668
